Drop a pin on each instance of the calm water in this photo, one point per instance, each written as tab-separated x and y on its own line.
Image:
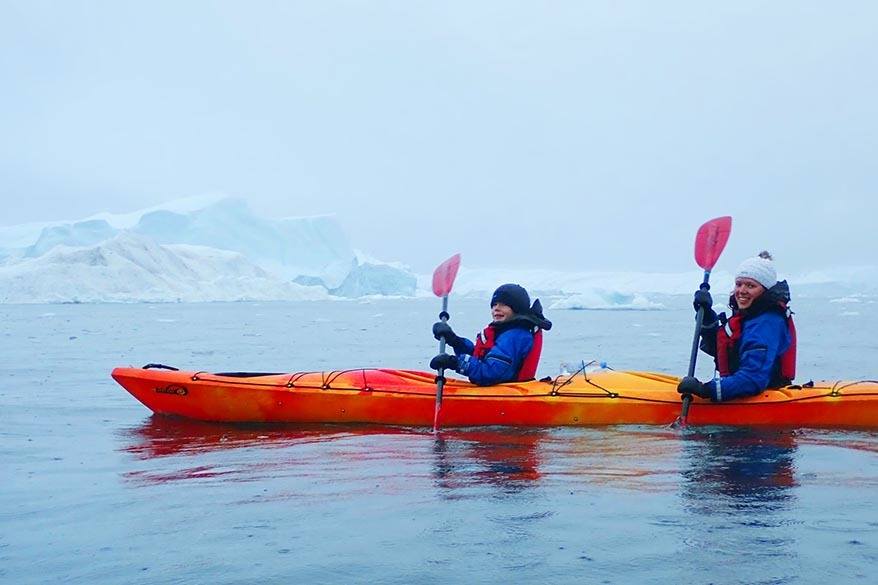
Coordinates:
95	490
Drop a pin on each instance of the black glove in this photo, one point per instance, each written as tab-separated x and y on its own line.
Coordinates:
703	299
442	329
444	361
691	385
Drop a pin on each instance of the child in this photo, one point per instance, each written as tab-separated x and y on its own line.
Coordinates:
509	347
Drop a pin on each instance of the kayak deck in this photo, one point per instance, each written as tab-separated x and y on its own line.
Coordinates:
407	397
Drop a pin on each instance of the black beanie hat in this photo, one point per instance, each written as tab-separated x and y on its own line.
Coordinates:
514	296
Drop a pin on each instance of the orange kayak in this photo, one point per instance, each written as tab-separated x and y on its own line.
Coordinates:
405	397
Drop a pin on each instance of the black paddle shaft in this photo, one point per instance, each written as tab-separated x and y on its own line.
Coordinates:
699	321
440	379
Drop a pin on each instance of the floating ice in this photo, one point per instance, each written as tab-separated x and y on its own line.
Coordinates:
603	300
850	299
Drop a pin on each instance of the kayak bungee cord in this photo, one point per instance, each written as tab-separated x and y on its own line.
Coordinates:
328	378
836	388
555	389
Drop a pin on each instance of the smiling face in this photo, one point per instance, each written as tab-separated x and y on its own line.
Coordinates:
501	312
747	291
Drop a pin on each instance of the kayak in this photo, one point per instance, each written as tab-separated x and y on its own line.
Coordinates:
407	397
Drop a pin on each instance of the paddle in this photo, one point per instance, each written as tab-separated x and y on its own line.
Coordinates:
443	280
709	244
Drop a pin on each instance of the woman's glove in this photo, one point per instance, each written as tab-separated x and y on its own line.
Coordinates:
444	361
691	385
703	299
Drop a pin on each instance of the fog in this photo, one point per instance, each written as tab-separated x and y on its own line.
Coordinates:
580	135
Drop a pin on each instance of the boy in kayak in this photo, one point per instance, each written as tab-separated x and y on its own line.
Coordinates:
755	348
509	347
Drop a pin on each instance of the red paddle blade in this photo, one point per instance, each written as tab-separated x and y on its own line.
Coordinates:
444	275
711	240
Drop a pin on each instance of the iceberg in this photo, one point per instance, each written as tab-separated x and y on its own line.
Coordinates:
81	233
288	247
195	249
376	278
133	268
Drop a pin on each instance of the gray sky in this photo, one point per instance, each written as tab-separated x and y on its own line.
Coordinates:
579	135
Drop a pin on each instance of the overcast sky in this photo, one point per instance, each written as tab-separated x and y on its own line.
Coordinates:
580	135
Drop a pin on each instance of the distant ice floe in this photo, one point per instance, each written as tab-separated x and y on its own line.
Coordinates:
840	274
632	291
849	299
602	300
608	290
477	282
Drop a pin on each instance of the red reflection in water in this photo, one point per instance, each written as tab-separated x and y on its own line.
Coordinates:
508	458
458	457
163	436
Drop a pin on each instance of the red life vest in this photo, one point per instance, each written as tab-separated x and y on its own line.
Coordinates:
727	357
528	370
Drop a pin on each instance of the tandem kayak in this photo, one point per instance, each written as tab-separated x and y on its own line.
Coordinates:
406	397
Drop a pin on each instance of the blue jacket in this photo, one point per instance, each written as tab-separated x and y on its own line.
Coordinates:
503	361
764	338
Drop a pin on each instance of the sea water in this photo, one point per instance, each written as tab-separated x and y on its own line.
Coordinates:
96	490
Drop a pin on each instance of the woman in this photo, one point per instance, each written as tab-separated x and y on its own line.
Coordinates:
509	347
755	348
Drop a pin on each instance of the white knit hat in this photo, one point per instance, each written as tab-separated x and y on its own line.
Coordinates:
760	268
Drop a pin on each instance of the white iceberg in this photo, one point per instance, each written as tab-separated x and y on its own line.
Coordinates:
132	268
201	248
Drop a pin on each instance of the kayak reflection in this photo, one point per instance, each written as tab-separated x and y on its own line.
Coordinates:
752	466
163	436
458	457
509	460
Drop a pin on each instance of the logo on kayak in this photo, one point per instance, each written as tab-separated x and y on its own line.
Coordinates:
172	389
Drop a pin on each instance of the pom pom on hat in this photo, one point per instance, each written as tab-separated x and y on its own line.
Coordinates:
760	268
